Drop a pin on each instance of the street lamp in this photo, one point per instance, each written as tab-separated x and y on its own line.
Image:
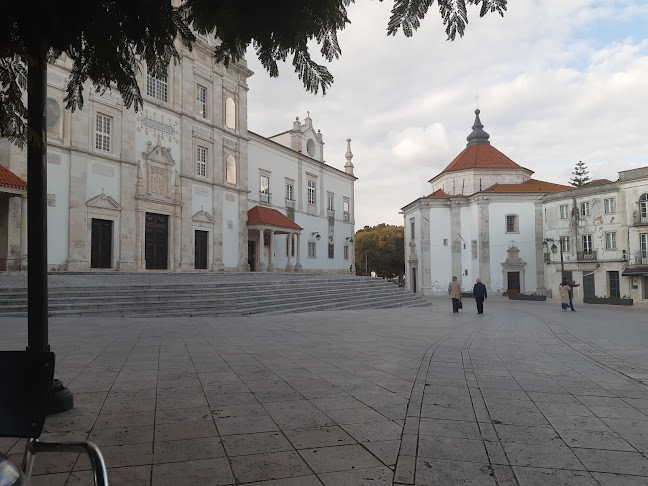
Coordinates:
554	250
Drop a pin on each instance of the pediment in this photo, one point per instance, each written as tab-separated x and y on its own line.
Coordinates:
103	202
158	153
202	217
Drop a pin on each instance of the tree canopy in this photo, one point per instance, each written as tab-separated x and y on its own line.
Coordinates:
383	246
109	41
580	175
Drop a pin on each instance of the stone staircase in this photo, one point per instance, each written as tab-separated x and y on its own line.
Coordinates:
222	294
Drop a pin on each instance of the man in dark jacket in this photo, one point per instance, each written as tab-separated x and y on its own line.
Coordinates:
479	291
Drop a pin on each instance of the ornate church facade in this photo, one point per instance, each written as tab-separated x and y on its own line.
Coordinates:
169	187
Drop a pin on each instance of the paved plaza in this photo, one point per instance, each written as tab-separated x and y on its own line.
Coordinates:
522	395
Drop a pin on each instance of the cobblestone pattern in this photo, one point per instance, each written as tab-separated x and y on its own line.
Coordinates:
522	395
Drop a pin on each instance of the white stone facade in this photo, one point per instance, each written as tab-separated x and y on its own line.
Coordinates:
604	234
167	187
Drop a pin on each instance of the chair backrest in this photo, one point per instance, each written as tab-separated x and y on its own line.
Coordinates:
25	387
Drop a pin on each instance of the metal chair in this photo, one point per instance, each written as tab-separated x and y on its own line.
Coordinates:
26	379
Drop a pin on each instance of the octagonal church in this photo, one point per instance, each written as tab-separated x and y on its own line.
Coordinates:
483	219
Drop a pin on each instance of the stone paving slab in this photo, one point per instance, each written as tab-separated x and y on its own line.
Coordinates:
522	395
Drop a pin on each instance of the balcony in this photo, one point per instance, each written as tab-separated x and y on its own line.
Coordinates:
347	217
290	203
586	256
640	218
331	213
640	258
264	197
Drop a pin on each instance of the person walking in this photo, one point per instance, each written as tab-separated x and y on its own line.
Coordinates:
454	289
571	292
564	295
479	291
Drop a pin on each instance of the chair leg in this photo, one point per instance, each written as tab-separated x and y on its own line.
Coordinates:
28	459
97	462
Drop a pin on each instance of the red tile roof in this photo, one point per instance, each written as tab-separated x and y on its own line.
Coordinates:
441	194
9	179
528	186
481	156
270	217
597	182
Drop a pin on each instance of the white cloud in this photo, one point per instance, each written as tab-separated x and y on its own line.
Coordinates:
558	80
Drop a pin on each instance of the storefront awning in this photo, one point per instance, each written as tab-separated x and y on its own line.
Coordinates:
634	271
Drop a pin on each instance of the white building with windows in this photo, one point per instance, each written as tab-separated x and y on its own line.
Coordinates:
483	219
171	186
603	233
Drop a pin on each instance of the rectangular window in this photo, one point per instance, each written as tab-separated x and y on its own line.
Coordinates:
102	134
311	249
331	202
345	209
511	223
474	249
290	191
564	211
264	189
331	250
564	243
412	230
610	206
643	243
587	243
201	161
585	210
445	242
610	241
346	252
311	191
201	100
157	87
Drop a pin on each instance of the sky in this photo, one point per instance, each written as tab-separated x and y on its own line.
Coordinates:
557	81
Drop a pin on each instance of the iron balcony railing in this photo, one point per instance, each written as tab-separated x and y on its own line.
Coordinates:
347	217
586	255
331	213
640	218
290	203
641	258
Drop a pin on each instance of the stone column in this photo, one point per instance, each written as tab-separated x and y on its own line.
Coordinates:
23	232
298	265
455	230
539	251
483	229
178	241
289	266
139	237
261	266
271	251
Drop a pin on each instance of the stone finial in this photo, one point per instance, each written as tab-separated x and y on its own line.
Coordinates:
478	136
296	124
348	167
308	121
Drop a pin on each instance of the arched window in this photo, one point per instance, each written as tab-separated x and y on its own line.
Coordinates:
643	205
230	114
230	170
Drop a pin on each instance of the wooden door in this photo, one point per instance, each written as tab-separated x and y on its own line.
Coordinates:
589	290
157	241
251	254
201	249
101	243
514	282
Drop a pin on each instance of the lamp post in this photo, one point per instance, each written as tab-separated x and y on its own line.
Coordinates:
554	250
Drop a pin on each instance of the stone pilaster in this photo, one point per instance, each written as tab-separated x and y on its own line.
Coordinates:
298	265
455	231
78	248
271	248
261	267
289	243
483	229
539	251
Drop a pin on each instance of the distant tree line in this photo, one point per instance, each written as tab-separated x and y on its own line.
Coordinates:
380	249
